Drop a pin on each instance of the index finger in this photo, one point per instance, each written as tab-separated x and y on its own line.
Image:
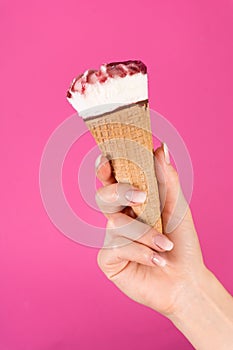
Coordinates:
104	171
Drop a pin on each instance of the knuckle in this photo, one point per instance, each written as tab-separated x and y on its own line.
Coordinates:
110	224
113	194
97	195
146	255
107	194
115	220
100	259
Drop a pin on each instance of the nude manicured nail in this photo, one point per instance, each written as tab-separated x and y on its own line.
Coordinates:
158	260
162	242
135	196
98	161
166	153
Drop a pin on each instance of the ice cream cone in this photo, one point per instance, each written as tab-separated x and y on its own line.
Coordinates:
124	137
113	101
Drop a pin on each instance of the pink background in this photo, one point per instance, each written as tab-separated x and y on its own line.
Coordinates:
52	294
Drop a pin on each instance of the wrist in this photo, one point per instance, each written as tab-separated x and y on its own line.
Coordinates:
204	314
192	294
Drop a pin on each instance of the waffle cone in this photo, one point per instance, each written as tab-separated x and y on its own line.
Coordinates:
124	137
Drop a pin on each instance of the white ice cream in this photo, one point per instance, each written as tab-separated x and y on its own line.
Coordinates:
100	98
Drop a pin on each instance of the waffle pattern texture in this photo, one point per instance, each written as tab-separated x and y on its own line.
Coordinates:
124	137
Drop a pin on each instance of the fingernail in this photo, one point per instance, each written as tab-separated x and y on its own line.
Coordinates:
162	242
98	161
158	260
135	196
166	153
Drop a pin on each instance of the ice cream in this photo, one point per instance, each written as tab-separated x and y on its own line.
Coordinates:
113	101
114	85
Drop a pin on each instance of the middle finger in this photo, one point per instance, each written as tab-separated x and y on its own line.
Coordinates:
115	197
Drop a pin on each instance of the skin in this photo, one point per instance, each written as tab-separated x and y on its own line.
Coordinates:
164	272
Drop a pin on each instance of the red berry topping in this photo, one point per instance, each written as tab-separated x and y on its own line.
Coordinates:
113	70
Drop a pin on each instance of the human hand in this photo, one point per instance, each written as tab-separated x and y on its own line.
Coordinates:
153	269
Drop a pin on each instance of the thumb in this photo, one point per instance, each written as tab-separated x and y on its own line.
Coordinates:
175	209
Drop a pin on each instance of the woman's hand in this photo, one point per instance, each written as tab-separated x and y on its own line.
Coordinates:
165	272
151	268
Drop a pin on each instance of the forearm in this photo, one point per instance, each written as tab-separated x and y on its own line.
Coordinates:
206	318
